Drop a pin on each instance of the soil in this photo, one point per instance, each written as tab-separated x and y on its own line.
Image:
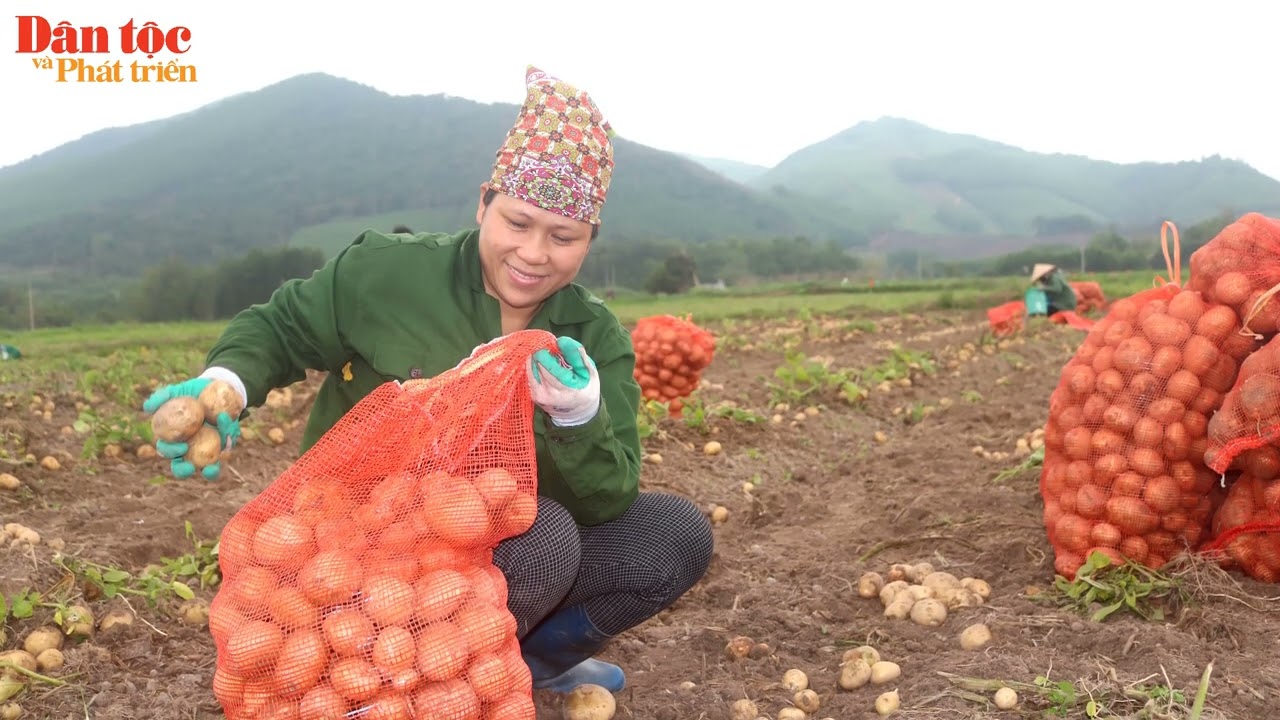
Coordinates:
844	491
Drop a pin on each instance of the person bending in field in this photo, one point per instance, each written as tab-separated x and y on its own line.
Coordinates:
1049	280
602	556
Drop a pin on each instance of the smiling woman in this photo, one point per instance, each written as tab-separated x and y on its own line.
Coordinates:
601	556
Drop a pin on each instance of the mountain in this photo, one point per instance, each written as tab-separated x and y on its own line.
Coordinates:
899	177
259	168
313	160
736	171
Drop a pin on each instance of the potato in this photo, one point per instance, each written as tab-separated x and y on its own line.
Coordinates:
807	700
21	658
195	612
899	571
900	608
854	674
929	612
744	709
205	447
920	592
78	621
589	702
885	671
178	419
891	590
960	597
920	571
790	713
49	659
975	636
41	639
219	397
870	584
939	580
1006	698
887	703
977	587
114	618
739	648
795	680
10	711
866	652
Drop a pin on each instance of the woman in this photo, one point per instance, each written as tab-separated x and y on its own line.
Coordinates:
602	556
1048	279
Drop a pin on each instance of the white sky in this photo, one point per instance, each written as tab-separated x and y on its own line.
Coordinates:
1124	80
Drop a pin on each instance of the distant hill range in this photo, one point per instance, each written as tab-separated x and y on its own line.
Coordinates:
314	159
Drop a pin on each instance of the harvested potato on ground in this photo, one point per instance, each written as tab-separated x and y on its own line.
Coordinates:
195	612
178	419
1006	698
900	608
589	702
41	639
49	659
866	652
114	618
978	587
920	571
21	658
890	591
739	648
807	700
9	482
854	674
885	671
887	703
10	711
78	621
870	585
920	592
900	571
744	709
929	612
939	580
795	680
219	397
790	713
975	636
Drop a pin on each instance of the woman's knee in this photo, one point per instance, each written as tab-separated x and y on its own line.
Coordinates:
541	564
690	535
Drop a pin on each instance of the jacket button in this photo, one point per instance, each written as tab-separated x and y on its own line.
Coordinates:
415	373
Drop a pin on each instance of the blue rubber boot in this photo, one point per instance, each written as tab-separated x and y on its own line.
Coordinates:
558	653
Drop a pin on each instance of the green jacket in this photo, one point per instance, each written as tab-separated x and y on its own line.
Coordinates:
1058	291
398	307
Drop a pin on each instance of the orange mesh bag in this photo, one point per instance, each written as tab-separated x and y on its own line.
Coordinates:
1240	267
360	583
1089	296
671	354
1006	319
1245	432
1123	471
1246	528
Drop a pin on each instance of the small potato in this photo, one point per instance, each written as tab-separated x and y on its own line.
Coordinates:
589	702
739	647
975	636
890	591
21	658
115	618
900	571
795	680
866	652
870	584
939	579
10	711
744	709
960	598
920	592
1006	698
790	713
178	419
205	447
978	587
195	612
854	674
807	700
887	703
920	571
49	660
900	608
928	612
219	397
885	671
41	639
78	621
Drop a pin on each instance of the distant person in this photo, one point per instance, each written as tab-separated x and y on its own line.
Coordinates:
1053	287
602	557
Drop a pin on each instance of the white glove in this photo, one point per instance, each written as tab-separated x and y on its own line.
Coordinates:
569	394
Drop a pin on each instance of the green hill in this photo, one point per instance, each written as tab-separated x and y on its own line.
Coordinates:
734	170
897	175
317	158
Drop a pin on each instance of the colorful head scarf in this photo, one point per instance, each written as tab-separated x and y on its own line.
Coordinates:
558	156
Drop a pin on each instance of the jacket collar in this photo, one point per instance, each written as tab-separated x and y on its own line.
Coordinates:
568	306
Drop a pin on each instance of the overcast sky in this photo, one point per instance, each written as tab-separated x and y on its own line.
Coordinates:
1120	81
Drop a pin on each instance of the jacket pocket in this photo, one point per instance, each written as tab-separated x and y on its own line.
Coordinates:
399	361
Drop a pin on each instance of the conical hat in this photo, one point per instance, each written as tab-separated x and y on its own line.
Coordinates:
1040	270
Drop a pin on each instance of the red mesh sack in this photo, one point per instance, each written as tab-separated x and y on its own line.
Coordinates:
1124	470
360	582
1240	267
671	354
1245	432
1006	319
1089	296
1246	528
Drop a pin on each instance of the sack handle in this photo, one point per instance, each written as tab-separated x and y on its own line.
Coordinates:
1174	266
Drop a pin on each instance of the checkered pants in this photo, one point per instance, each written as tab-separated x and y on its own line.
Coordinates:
624	571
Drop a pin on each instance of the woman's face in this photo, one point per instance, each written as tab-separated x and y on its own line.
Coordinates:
528	253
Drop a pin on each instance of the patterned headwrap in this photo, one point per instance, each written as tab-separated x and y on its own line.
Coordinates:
558	155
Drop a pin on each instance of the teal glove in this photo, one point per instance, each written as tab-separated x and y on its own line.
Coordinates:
569	390
227	426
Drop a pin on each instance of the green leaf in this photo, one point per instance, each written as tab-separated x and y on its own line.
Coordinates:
181	590
80	426
115	576
22	607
